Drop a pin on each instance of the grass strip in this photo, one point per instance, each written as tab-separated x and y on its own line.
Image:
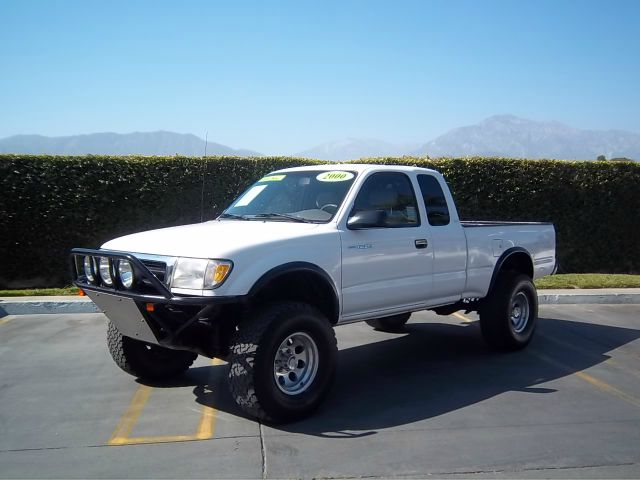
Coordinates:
39	292
588	280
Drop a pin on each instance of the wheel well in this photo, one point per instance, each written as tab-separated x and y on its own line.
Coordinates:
305	286
514	261
519	262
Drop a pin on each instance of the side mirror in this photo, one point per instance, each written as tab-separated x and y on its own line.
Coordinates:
366	219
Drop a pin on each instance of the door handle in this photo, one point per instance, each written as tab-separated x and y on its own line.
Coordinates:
421	243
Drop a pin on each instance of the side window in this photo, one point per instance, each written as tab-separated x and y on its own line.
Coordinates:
434	200
392	197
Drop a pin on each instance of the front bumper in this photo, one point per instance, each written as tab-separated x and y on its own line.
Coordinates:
126	315
150	312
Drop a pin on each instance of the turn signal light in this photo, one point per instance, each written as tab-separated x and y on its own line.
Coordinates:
220	273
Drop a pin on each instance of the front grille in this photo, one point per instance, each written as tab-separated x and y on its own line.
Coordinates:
159	269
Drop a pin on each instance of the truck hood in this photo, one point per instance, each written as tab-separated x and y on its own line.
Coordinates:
214	239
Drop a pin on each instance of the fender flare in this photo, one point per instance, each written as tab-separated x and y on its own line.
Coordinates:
501	261
296	267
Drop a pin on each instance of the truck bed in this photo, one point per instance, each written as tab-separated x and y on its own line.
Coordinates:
488	240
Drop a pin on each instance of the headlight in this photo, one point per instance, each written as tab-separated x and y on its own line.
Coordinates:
105	271
89	269
125	272
200	274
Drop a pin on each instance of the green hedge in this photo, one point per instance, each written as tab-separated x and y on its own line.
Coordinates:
51	204
593	205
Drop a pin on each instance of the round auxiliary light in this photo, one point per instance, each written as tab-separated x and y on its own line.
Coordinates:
89	269
125	272
105	271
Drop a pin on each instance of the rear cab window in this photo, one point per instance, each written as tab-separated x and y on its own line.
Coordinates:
434	200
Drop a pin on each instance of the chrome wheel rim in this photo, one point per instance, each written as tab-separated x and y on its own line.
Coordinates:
295	364
520	312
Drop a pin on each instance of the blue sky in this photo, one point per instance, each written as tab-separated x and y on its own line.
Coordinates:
282	76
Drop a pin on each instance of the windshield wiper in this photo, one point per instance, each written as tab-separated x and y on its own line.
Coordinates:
233	215
282	215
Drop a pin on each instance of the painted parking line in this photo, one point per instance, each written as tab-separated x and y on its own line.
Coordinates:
121	435
7	319
593	381
462	317
130	417
588	353
604	386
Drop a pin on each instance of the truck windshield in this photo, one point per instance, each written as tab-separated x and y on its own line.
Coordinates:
303	196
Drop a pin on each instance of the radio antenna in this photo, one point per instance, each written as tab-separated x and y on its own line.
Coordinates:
204	165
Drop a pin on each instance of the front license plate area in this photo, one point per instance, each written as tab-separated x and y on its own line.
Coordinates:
125	315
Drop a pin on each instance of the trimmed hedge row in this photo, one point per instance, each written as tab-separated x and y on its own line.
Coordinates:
593	205
51	204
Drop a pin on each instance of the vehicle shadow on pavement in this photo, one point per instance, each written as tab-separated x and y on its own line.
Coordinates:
432	369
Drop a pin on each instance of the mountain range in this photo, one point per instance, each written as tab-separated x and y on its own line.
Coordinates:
500	135
138	143
497	136
510	136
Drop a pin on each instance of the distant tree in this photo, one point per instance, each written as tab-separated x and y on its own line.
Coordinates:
601	158
621	159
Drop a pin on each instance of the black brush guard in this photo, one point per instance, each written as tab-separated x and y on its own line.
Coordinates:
179	322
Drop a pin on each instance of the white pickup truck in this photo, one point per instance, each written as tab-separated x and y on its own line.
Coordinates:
301	251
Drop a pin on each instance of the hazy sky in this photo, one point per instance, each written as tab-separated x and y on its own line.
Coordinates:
281	76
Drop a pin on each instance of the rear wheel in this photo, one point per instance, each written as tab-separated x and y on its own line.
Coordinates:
146	361
390	324
509	314
282	362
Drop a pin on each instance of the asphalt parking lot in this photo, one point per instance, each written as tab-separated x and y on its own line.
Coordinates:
430	401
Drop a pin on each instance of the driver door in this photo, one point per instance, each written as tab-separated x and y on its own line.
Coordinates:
386	266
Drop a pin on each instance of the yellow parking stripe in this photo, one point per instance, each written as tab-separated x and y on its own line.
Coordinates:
583	351
208	419
130	417
6	319
205	430
604	386
462	317
157	439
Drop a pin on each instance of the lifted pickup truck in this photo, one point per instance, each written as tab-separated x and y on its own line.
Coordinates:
301	251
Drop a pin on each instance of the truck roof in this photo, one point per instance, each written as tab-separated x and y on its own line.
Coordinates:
359	168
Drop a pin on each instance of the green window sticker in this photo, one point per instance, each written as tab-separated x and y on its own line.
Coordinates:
334	176
272	178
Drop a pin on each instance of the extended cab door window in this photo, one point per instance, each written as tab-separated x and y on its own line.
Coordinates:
434	200
385	200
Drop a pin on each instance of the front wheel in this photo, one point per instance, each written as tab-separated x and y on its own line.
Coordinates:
509	314
282	362
144	360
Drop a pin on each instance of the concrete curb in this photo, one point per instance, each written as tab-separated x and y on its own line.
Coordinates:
70	305
572	297
38	305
